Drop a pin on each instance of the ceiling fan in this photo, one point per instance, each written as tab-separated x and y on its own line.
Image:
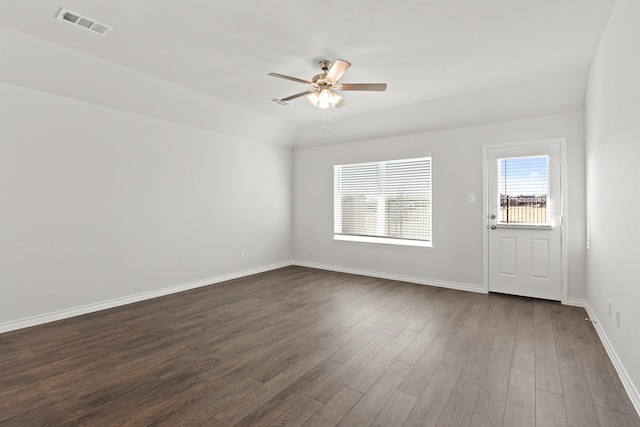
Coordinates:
323	87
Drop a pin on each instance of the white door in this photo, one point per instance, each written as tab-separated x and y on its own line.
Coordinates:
525	220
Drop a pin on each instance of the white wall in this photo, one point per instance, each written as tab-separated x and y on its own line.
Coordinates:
613	198
456	256
99	204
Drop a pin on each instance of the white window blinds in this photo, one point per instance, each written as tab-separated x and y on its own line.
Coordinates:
385	200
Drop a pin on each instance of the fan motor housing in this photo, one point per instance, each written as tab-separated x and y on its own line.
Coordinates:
319	77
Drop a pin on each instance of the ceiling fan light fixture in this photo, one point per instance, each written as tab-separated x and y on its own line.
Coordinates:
324	99
314	98
320	99
335	99
325	95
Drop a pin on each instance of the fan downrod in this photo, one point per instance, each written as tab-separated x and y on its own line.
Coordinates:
325	65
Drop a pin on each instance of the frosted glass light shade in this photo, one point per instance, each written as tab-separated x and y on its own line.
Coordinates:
324	99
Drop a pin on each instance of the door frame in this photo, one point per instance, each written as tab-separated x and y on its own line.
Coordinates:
563	209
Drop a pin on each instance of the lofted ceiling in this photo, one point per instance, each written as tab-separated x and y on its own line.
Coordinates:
425	51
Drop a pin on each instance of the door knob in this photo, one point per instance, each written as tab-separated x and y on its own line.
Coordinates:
493	227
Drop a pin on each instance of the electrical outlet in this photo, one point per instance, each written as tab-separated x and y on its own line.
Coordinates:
243	254
618	318
609	307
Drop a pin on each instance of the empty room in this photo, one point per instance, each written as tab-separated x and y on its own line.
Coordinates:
297	213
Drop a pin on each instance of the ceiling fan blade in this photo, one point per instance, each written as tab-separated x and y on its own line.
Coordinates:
297	95
376	87
295	79
337	70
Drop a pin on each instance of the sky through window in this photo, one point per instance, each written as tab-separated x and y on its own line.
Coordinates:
519	176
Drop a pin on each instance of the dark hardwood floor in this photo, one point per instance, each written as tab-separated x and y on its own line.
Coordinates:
298	346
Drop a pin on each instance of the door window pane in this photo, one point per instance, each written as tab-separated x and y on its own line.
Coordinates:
523	190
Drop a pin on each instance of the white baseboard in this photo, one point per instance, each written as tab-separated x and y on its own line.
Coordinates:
90	308
381	275
629	386
576	302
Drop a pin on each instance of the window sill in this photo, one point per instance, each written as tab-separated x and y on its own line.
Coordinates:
382	240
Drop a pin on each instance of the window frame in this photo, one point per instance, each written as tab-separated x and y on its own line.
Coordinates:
523	204
381	239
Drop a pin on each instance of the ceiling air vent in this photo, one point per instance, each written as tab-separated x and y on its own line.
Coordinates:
83	21
279	102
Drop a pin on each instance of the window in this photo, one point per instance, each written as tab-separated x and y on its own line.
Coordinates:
523	188
383	202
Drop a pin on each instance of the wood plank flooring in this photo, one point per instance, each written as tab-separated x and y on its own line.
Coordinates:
305	347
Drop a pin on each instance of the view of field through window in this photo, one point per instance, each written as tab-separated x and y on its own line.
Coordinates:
523	189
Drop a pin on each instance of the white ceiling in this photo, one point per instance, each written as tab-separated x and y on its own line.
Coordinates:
424	50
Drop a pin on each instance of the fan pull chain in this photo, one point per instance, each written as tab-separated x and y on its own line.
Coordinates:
326	122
